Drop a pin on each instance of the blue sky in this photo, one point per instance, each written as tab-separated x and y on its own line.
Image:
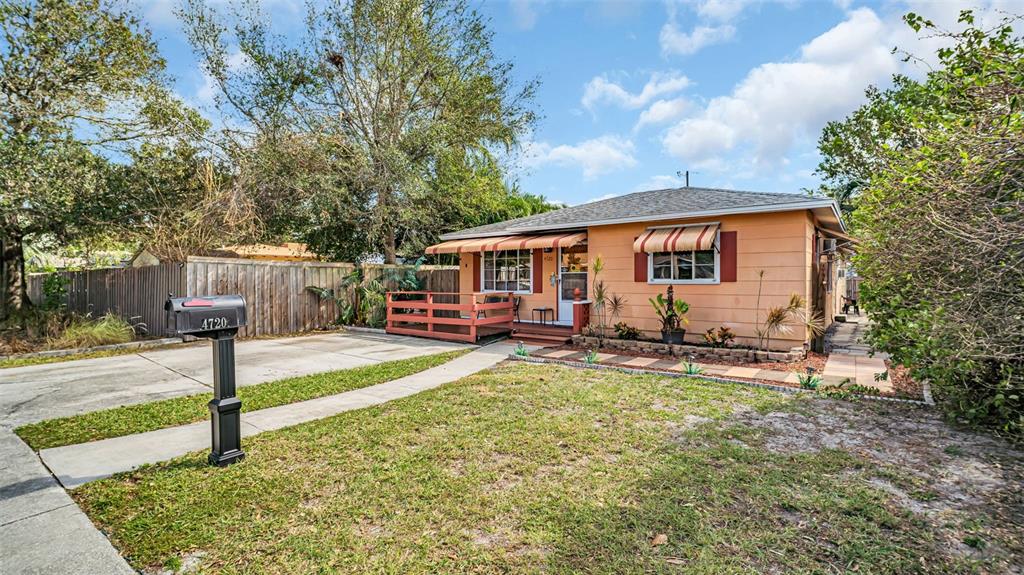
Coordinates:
736	91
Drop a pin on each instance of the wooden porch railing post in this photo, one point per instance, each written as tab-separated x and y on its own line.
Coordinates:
388	310
472	318
430	312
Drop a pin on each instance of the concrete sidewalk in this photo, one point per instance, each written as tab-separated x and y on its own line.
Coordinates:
41	528
74	465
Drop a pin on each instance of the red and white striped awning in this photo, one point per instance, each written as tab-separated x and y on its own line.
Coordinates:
677	239
475	245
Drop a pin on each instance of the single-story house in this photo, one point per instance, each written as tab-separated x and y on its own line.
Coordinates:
710	245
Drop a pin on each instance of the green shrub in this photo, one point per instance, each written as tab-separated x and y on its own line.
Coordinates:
932	171
625	331
721	338
808	380
88	332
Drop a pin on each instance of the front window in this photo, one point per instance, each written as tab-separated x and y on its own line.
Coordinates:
691	266
508	270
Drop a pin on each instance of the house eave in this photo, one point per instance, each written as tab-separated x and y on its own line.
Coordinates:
672	216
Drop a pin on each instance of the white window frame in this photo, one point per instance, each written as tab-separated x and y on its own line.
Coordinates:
704	281
483	279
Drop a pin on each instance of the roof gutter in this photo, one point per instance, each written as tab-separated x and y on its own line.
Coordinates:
677	216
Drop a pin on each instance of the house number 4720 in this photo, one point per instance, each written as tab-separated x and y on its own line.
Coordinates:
215	323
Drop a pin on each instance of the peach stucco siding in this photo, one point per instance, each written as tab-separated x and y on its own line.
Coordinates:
775	243
778	243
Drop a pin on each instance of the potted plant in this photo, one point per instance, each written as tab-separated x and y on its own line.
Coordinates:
672	313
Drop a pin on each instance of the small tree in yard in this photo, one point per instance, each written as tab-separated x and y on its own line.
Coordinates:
940	214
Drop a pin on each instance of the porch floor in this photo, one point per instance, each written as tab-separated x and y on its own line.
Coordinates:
484	334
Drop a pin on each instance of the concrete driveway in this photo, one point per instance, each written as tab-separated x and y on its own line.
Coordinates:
34	393
41	528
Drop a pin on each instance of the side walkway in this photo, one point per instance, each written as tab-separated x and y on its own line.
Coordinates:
74	465
850	357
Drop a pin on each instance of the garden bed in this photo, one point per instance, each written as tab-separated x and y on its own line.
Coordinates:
730	355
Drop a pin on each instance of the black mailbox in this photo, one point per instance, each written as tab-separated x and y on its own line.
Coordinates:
201	315
218	318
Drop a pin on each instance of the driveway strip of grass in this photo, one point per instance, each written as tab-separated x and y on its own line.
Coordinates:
131	419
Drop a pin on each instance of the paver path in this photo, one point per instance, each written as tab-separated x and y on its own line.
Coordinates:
851	357
674	364
74	465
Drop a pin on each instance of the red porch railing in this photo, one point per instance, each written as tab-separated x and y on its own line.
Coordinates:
449	315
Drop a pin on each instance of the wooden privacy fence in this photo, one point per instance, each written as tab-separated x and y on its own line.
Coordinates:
276	298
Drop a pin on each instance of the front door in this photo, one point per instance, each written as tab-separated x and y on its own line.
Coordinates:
572	275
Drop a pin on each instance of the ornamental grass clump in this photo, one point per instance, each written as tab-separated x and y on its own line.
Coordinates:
88	332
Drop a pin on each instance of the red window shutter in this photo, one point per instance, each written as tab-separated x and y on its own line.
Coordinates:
477	272
538	271
727	256
640	267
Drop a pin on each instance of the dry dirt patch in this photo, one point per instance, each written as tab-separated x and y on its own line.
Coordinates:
968	485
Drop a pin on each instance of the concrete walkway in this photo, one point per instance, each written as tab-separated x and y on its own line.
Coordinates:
851	357
74	465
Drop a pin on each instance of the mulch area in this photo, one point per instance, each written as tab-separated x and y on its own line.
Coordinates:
902	383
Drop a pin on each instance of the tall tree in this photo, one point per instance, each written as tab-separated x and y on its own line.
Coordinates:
386	95
76	77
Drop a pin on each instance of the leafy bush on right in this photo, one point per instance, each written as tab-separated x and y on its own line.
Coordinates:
931	174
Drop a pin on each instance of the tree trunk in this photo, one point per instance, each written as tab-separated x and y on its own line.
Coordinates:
390	255
15	291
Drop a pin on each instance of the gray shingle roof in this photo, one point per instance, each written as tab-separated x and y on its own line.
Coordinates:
669	203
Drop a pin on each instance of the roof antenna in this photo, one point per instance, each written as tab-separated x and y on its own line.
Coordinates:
685	175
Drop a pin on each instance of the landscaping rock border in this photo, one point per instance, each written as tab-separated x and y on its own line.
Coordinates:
740	355
141	344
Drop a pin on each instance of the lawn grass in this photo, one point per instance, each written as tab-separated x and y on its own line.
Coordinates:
129	419
522	469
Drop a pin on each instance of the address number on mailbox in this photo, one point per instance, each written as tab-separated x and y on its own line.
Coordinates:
215	323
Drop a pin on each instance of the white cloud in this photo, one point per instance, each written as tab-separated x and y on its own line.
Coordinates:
595	157
778	102
675	41
602	90
659	182
662	111
715	27
721	10
603	197
206	93
524	13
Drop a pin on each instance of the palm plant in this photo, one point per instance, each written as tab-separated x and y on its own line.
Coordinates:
780	320
603	303
361	298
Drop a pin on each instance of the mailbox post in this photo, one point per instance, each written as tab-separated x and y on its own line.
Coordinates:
217	318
